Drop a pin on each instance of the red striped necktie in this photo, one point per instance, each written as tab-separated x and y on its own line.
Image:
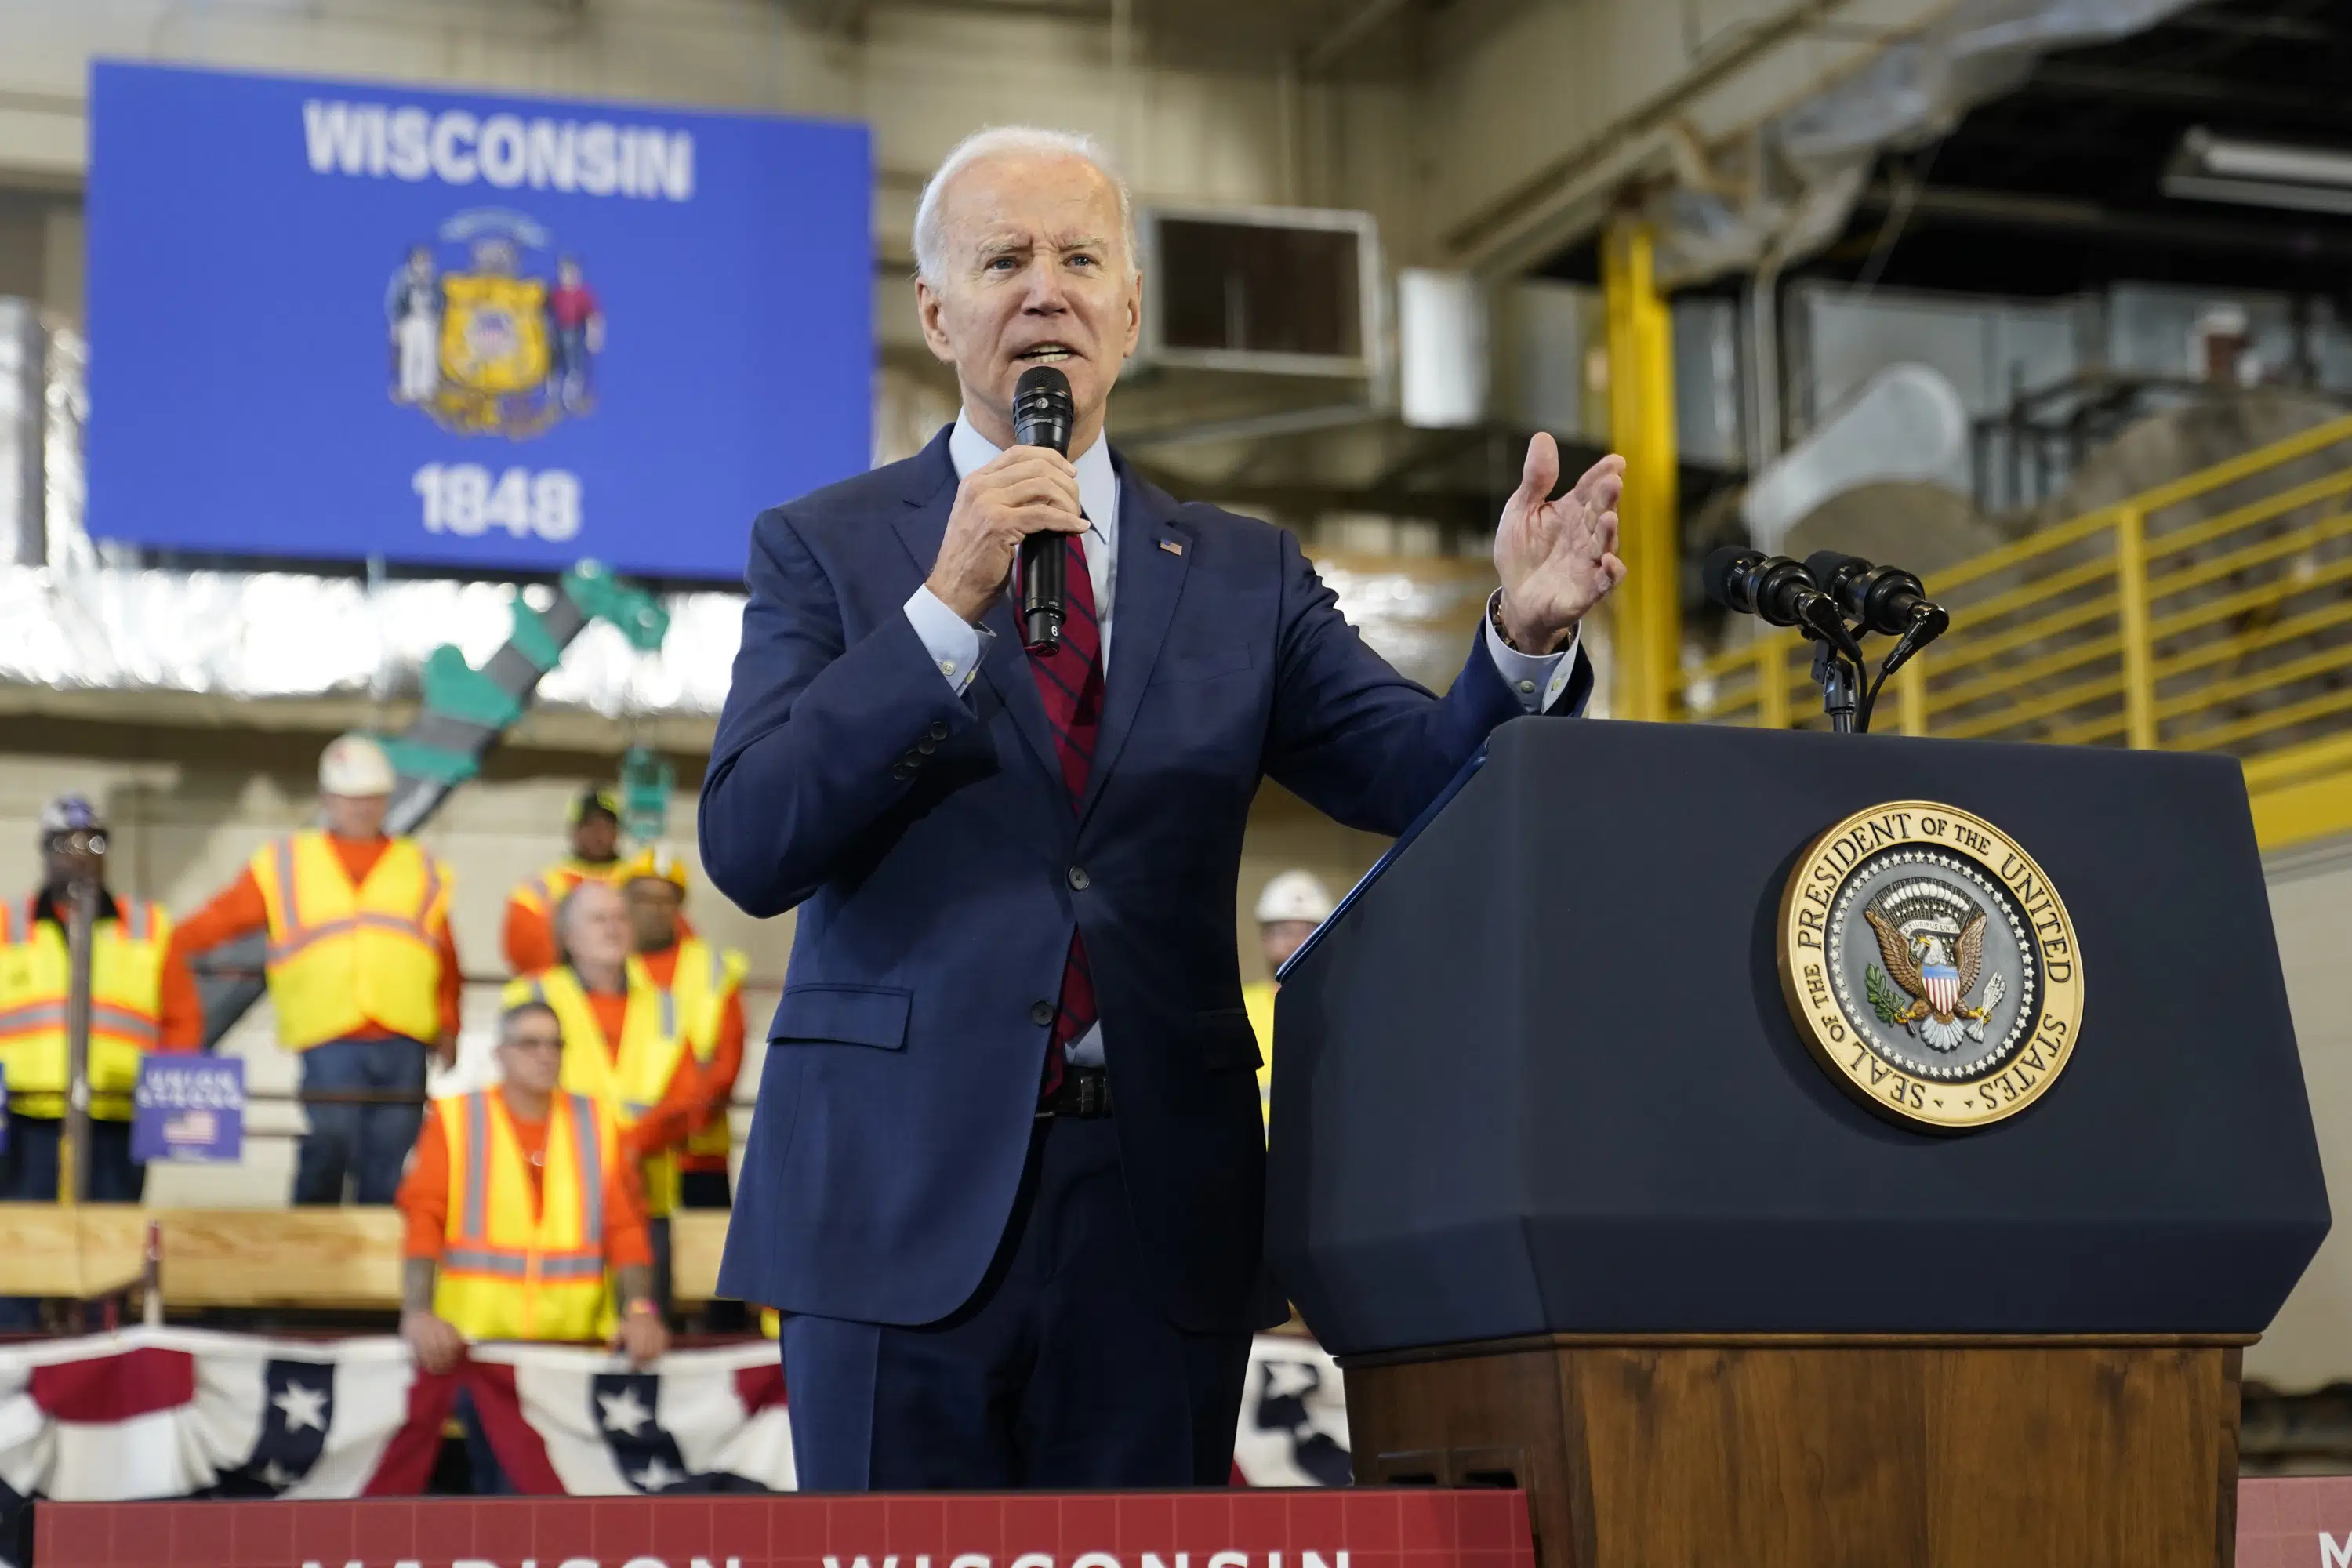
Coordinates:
1070	680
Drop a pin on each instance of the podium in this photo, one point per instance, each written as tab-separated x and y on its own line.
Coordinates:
1557	1177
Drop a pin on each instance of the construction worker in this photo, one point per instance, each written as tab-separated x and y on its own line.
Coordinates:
1289	909
635	1046
523	1223
362	972
143	999
529	937
655	892
654	887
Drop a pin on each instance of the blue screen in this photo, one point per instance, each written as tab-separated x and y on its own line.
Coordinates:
334	319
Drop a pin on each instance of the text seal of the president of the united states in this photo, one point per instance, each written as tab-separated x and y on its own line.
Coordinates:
1930	965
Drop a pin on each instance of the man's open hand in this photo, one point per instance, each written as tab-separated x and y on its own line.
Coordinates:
438	1345
1556	558
1025	490
643	1337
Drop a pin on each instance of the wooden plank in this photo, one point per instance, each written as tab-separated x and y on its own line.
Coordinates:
697	1237
281	1257
338	1258
75	1253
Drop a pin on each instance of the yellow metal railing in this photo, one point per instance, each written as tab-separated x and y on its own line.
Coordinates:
2211	613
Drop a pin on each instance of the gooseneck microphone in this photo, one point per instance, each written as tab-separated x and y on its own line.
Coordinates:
1042	417
1883	599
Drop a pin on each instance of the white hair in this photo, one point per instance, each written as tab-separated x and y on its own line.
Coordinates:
1018	141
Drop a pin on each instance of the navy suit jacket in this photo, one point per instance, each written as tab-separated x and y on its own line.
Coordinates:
938	865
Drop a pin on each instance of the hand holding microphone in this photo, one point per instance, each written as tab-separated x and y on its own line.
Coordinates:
1027	491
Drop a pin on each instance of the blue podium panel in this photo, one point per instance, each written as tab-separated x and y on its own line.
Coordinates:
333	320
1540	1075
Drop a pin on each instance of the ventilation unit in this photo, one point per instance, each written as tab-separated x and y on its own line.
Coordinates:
1274	290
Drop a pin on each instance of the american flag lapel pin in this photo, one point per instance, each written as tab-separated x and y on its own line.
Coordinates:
1170	546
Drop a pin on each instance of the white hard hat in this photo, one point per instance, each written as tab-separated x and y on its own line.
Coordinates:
1294	895
355	764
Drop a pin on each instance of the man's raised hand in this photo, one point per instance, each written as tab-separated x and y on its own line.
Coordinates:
1556	558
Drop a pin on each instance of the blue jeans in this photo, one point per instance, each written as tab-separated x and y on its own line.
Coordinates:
367	1143
28	1174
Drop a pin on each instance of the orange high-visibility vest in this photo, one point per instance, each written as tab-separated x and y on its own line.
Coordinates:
126	1006
508	1272
344	959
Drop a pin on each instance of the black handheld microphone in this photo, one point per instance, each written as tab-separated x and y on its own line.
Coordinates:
1885	599
1042	417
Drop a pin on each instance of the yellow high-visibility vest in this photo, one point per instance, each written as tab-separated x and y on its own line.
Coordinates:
505	1272
126	1006
343	959
658	1030
710	1148
1257	1000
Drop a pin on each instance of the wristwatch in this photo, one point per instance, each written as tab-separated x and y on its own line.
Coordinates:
641	1307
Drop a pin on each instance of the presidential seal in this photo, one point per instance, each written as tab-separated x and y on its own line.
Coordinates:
1931	966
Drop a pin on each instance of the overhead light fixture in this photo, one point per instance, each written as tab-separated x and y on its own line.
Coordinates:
2205	168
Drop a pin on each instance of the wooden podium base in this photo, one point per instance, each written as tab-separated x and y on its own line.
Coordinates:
1806	1451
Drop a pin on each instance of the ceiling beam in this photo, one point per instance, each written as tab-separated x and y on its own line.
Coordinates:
1963	207
2239	25
2230	95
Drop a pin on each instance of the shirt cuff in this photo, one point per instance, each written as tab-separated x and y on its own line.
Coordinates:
1537	679
955	644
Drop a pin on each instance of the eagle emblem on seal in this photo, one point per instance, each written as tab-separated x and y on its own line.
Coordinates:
1932	937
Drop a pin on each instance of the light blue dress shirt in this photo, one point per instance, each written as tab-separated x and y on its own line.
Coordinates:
956	645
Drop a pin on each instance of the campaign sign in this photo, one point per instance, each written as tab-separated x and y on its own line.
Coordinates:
188	1108
335	320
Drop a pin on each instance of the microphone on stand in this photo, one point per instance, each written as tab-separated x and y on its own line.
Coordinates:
1042	417
1885	599
1779	592
1773	588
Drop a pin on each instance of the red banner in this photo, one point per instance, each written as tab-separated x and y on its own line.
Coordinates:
2289	1523
2304	1521
1364	1527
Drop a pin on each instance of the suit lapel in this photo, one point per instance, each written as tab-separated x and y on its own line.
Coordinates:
1003	665
1150	580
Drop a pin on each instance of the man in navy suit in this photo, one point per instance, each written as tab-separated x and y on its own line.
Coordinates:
1006	1177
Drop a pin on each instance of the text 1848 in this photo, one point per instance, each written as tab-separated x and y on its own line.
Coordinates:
468	499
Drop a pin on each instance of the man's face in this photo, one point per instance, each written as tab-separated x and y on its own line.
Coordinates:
653	913
1036	272
67	857
354	816
595	838
595	926
530	1054
1280	939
